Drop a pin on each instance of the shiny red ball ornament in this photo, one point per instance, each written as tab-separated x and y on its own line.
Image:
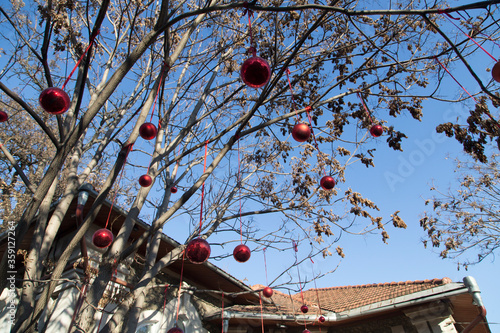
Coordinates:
241	253
376	130
306	331
255	72
102	238
301	132
327	183
198	251
304	308
148	131
495	72
322	319
3	116
145	180
54	100
267	292
175	330
173	189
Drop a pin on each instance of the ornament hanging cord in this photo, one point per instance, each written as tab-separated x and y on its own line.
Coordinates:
296	249
92	38
203	186
250	16
449	17
316	289
475	100
180	289
287	71
479	33
239	189
129	149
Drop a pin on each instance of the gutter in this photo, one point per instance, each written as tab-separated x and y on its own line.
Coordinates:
279	317
471	284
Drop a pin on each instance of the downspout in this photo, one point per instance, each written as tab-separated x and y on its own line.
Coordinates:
471	284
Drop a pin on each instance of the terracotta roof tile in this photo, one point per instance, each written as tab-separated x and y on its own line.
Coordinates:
338	299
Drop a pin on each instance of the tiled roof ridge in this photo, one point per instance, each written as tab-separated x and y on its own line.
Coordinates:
435	281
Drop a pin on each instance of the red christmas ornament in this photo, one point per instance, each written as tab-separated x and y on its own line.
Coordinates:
198	251
102	238
495	72
327	183
321	319
148	131
241	253
145	180
301	132
304	308
306	331
376	130
175	330
267	292
3	116
255	72
54	100
173	189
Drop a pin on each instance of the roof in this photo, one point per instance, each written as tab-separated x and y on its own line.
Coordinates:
348	304
338	299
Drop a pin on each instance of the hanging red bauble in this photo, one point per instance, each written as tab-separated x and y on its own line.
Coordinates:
267	292
173	189
145	180
241	253
102	238
3	116
301	132
175	330
495	72
306	331
304	308
376	130
327	183
321	319
148	131
198	251
255	72
54	100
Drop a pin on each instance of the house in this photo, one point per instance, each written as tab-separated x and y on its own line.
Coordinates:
214	301
437	305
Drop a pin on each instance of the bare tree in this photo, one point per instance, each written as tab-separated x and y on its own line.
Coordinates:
181	60
464	222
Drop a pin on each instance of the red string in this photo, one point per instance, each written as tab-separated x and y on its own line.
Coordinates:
308	108
365	107
158	92
447	71
265	265
165	298
129	149
316	288
203	186
480	33
250	15
180	288
261	313
81	58
449	17
239	188
287	71
295	247
222	314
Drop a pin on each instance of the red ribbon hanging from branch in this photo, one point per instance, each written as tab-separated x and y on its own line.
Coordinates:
449	17
287	71
180	288
250	16
475	100
203	186
92	38
239	189
128	147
